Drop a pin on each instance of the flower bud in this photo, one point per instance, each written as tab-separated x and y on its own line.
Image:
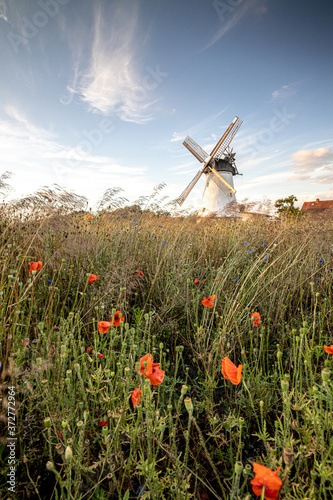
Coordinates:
238	468
184	389
188	405
325	374
47	422
49	465
68	453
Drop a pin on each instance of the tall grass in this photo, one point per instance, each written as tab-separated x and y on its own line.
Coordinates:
195	435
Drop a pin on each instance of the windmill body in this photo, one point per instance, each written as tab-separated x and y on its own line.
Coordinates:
219	168
213	199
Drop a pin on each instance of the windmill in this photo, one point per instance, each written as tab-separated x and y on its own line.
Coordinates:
219	168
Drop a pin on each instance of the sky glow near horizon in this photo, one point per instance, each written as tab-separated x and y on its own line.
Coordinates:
97	95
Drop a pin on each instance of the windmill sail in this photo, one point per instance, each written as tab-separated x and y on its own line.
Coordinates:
221	181
195	149
226	191
187	190
227	137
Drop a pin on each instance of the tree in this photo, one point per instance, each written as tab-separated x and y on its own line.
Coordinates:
285	206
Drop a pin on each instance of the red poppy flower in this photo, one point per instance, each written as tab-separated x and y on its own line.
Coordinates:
266	478
208	302
157	377
116	319
136	396
255	318
62	437
152	371
89	218
103	423
231	372
89	349
107	234
149	369
329	350
35	266
196	281
140	273
100	355
103	326
92	278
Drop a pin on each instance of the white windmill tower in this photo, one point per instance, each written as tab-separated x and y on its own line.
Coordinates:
219	187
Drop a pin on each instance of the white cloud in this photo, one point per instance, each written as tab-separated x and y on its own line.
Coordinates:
113	81
315	166
37	158
284	92
3	10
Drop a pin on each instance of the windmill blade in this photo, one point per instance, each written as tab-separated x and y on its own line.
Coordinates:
226	138
189	188
195	149
222	183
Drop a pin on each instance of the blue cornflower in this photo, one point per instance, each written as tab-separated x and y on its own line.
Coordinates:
121	214
207	235
318	279
320	260
249	258
215	234
55	253
255	251
246	242
236	279
134	220
49	281
153	234
249	251
222	239
265	244
160	226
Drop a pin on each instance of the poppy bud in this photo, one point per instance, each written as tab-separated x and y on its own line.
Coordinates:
188	405
47	422
325	374
49	465
68	453
285	385
238	468
184	389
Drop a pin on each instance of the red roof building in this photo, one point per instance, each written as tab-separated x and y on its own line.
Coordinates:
317	206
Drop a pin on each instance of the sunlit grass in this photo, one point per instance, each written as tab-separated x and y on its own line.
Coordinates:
196	433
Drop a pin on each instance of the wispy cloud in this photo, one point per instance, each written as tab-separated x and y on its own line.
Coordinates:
115	80
3	10
315	166
284	92
37	157
230	14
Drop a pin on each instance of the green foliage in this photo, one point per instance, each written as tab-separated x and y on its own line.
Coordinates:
286	207
163	449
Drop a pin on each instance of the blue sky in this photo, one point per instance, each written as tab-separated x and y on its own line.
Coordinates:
101	94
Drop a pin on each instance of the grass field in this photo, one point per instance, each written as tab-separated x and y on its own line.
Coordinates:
66	388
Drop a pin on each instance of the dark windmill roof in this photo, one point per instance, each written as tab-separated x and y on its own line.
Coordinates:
317	206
